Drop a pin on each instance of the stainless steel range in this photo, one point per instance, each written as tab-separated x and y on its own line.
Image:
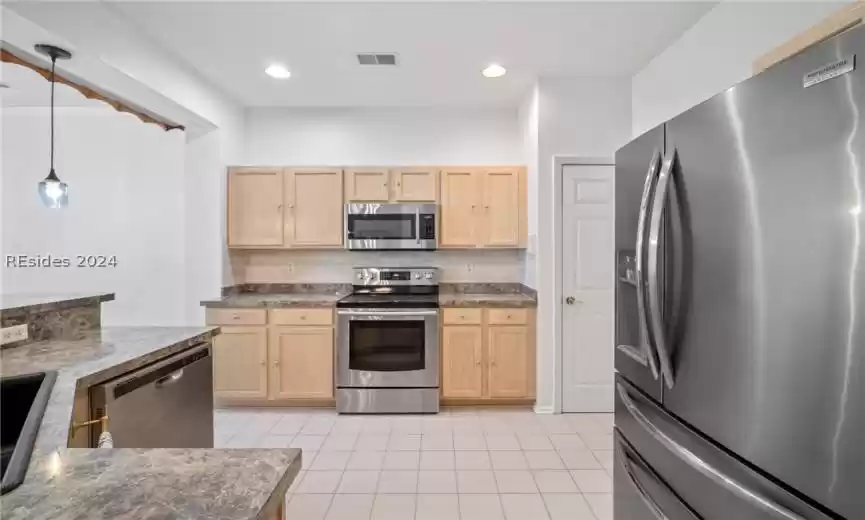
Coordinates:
388	342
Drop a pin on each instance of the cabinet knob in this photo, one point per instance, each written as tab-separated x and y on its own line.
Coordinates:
303	316
279	208
235	316
398	184
509	316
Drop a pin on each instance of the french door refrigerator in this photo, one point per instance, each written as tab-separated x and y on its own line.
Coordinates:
740	302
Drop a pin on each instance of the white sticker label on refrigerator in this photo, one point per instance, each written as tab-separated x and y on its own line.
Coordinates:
833	70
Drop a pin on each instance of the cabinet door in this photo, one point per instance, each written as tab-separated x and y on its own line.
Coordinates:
462	358
367	185
461	196
508	361
314	212
415	184
502	207
254	207
240	363
301	362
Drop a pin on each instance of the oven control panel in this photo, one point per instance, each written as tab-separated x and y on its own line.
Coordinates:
396	276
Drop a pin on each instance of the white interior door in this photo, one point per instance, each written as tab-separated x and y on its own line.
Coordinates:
588	218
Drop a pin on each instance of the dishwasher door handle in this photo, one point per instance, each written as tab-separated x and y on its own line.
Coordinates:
170	379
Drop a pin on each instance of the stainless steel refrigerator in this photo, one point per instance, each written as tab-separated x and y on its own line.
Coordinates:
740	302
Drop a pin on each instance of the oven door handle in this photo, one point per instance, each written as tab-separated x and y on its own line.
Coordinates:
385	314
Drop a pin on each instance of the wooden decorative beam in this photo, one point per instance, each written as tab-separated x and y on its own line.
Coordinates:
8	57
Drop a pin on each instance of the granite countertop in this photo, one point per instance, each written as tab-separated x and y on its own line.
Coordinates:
76	483
93	357
457	299
276	300
180	484
18	304
487	295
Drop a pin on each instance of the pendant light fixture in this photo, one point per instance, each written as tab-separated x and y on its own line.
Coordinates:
53	192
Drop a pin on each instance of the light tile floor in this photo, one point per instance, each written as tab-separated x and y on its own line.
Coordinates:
460	464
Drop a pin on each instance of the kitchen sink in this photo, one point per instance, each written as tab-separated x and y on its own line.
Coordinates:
22	403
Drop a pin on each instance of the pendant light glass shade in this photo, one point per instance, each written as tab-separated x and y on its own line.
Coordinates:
53	192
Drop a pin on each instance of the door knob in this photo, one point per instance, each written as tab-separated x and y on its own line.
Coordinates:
570	300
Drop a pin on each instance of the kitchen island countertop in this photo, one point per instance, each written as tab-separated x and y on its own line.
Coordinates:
74	483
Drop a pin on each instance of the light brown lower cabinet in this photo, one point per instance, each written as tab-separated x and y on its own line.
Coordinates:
508	347
273	361
301	362
488	361
462	360
240	363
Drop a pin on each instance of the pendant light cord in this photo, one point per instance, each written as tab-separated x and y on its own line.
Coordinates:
53	64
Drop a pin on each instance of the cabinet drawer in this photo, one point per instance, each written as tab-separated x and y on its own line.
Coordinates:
508	316
301	317
461	316
236	317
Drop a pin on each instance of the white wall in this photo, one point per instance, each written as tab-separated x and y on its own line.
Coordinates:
371	136
582	117
111	51
126	198
379	136
716	53
529	123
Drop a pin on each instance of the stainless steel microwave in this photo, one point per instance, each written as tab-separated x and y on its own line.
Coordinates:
390	226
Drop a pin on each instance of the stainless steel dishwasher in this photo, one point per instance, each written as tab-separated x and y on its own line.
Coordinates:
168	404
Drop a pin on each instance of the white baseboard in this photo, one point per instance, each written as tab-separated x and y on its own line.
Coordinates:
546	409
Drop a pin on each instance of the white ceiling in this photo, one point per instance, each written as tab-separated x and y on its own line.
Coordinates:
26	88
442	46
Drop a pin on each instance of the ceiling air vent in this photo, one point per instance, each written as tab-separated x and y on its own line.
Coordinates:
367	58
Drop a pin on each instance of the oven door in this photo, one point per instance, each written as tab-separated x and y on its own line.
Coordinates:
390	348
389	226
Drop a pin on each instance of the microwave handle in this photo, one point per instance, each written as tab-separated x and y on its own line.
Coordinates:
417	225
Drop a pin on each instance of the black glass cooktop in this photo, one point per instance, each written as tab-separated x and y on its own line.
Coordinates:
391	300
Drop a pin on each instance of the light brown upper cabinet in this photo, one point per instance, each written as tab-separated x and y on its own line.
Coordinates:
503	207
313	212
367	185
461	191
285	208
255	207
408	184
483	207
414	184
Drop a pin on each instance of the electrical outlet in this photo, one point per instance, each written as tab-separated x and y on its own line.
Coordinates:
12	334
470	267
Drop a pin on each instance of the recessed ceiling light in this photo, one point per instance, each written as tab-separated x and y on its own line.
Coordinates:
278	71
494	71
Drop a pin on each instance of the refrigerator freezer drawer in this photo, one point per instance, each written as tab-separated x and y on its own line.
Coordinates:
640	492
714	484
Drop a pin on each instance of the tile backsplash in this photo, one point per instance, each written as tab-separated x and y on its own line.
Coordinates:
335	266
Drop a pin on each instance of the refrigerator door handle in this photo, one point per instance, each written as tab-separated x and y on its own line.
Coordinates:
691	459
626	461
648	352
659	334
